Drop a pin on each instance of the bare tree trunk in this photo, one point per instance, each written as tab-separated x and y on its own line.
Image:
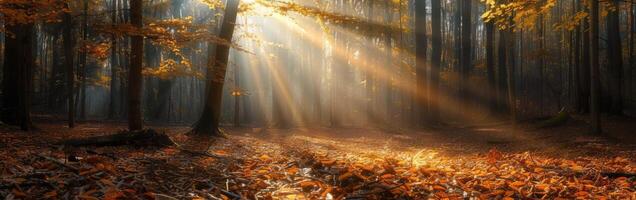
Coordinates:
436	61
512	98
584	73
388	47
466	48
594	68
17	76
69	43
135	121
114	65
615	59
208	123
490	66
84	60
502	73
422	100
237	95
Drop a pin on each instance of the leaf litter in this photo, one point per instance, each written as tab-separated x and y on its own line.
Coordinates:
299	165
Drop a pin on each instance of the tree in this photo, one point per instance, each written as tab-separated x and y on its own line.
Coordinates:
466	48
490	65
17	75
594	68
584	73
436	59
114	65
615	59
420	63
208	123
135	121
69	44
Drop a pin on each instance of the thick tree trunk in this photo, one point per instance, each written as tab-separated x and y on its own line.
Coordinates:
135	121
421	45
217	66
17	76
615	60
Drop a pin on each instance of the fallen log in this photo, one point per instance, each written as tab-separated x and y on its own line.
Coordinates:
148	137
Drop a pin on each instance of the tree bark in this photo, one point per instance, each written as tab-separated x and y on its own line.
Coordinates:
17	76
436	61
584	73
114	65
466	48
421	45
594	68
490	66
615	59
135	121
502	73
208	123
69	43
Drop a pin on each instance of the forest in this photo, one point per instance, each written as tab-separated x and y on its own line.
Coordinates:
317	99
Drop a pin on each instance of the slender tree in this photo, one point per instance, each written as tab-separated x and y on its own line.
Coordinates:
436	60
595	88
490	65
69	56
466	48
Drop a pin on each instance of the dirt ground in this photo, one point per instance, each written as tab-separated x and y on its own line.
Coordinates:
480	162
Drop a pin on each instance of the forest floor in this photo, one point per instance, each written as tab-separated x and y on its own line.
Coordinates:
485	162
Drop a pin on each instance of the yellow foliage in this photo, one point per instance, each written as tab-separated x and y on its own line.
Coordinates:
170	68
31	11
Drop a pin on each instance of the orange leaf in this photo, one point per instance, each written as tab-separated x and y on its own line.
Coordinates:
517	184
439	188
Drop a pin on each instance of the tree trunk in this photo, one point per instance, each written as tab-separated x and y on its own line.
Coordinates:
237	93
208	123
135	121
388	47
512	98
490	66
594	68
114	65
502	73
17	75
69	43
422	100
436	61
466	48
84	60
615	59
584	73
